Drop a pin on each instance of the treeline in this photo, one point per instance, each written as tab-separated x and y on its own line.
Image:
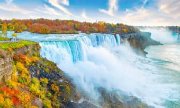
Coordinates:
175	29
46	26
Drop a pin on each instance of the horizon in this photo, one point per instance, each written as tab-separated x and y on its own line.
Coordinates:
164	26
135	13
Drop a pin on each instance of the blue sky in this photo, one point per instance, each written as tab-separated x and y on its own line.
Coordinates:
132	12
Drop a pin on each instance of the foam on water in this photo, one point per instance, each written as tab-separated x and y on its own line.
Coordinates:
162	35
99	61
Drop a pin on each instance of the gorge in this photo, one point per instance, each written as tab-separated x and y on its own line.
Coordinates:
108	73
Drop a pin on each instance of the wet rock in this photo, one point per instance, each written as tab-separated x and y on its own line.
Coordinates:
139	41
84	104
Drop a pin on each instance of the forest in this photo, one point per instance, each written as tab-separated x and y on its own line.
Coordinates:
46	26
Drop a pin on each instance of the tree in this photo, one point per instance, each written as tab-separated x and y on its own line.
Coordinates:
14	35
1	22
4	29
10	27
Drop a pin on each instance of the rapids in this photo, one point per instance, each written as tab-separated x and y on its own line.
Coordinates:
95	61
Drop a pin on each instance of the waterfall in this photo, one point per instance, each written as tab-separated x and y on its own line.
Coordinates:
96	61
75	48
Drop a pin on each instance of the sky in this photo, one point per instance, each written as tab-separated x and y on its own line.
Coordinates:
131	12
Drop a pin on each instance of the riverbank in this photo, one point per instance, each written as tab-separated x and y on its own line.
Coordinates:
139	41
47	85
27	80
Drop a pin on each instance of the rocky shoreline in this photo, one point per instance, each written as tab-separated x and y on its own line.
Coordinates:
69	96
139	41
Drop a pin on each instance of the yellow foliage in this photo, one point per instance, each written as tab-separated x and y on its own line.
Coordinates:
34	107
21	68
25	98
12	84
55	88
34	59
14	76
14	35
35	89
7	103
35	86
47	103
1	99
44	81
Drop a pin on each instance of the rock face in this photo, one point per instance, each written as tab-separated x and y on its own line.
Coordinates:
5	66
139	41
31	50
6	59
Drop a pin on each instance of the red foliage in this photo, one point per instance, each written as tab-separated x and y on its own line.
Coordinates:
15	101
45	26
12	93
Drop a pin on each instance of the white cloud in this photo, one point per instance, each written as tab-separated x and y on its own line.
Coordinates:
11	7
9	1
65	2
84	17
83	14
165	13
113	8
144	3
47	10
58	4
170	7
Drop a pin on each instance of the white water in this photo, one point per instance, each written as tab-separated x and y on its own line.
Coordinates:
162	35
109	66
99	61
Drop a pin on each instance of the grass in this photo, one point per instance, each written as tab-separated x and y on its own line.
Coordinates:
4	39
15	45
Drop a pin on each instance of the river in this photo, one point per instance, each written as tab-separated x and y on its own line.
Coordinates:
95	61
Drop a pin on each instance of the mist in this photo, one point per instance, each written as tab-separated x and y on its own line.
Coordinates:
110	66
162	35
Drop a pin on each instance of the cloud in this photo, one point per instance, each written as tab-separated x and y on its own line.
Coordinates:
11	7
144	3
165	13
83	14
47	10
65	2
58	4
170	7
113	8
9	1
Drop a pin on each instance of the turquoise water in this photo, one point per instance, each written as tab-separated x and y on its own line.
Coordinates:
96	61
166	59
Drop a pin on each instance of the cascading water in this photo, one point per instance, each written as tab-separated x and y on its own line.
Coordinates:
99	61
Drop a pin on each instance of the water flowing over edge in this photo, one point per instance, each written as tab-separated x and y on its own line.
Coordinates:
99	61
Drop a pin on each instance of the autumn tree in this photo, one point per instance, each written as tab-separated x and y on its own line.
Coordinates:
4	29
14	35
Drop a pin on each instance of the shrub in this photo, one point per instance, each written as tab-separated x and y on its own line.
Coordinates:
47	103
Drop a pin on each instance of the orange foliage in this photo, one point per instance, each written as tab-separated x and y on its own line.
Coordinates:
11	93
1	99
25	98
45	26
25	59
